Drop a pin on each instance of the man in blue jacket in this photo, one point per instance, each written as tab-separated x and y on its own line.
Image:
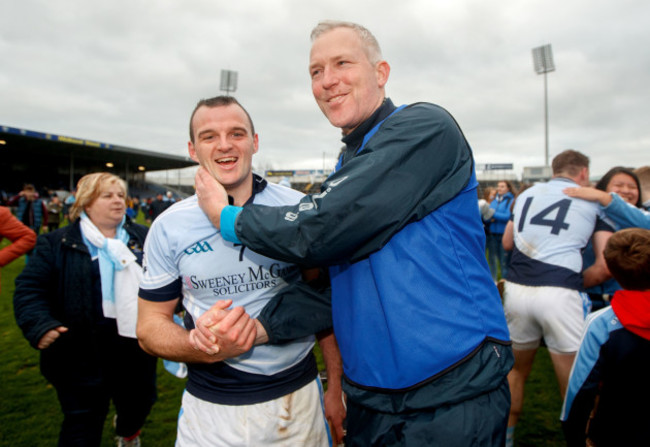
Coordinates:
418	318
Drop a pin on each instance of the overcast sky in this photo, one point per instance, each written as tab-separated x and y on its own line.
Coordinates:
129	72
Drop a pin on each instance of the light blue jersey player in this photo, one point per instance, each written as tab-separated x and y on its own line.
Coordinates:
264	395
542	294
199	265
550	232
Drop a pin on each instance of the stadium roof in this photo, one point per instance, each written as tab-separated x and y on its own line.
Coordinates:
58	162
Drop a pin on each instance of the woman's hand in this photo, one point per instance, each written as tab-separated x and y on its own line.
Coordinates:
51	336
589	193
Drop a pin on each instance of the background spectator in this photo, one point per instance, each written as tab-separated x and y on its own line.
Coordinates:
484	207
31	209
67	203
501	204
608	392
22	237
158	206
54	209
625	184
76	302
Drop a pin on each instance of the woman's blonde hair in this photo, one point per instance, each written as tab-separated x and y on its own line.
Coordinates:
90	186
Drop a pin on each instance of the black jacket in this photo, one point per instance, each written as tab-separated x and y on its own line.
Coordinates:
56	286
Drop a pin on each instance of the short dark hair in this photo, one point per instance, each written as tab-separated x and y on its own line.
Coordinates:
569	162
604	181
627	255
218	101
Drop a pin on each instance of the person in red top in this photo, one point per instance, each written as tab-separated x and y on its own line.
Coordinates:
607	398
21	236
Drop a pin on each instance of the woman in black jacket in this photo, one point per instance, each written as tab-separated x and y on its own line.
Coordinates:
76	301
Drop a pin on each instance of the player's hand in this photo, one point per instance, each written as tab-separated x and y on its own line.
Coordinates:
211	194
201	337
226	332
235	333
50	337
589	193
335	412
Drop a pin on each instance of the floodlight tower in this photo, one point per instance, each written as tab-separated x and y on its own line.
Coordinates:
543	63
228	81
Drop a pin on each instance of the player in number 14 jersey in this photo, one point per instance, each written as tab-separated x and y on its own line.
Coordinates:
551	230
542	294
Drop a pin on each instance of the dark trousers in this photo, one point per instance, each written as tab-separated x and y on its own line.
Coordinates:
477	422
497	255
126	375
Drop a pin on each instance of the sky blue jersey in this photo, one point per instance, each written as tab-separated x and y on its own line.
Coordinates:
550	231
186	255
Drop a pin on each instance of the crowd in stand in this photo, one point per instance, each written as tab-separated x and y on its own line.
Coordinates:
47	210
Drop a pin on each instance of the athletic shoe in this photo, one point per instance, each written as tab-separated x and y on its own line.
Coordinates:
122	442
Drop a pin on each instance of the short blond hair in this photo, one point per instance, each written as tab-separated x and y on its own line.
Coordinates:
370	44
89	188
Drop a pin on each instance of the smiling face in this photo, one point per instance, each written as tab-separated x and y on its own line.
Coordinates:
224	145
624	186
108	209
346	85
502	188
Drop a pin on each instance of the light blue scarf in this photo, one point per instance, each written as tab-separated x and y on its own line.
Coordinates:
98	245
119	272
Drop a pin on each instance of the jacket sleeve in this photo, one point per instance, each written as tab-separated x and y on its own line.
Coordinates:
13	201
35	286
299	310
582	389
575	426
502	211
22	237
416	162
626	215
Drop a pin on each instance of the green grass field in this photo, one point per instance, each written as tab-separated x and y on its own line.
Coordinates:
30	415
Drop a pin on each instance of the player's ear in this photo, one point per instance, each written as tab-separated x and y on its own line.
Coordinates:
584	176
382	70
256	143
192	152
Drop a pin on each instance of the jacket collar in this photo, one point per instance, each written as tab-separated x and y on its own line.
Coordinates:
354	139
72	235
258	186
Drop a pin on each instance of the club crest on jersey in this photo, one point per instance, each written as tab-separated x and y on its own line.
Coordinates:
199	247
